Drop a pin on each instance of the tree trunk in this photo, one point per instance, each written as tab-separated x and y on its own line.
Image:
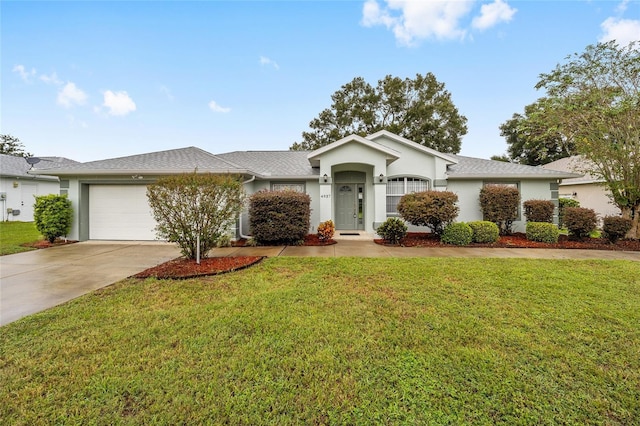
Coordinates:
633	213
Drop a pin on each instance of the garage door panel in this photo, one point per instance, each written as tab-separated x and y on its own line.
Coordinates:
120	212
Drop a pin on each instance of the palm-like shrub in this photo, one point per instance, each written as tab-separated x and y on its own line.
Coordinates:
392	230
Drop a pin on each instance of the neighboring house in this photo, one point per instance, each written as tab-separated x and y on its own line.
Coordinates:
18	188
588	190
356	181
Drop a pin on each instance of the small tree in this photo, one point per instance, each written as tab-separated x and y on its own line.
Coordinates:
53	216
499	204
279	216
433	209
190	205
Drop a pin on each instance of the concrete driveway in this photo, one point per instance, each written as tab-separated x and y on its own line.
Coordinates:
36	280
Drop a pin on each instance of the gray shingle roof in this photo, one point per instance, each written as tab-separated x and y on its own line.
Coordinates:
274	163
469	167
171	161
12	166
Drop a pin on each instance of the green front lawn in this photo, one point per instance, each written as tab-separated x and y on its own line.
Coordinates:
13	234
338	341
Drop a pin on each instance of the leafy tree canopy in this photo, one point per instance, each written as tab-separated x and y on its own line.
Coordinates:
10	145
418	109
593	100
531	141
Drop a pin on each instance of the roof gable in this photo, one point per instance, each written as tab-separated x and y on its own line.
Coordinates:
390	154
404	141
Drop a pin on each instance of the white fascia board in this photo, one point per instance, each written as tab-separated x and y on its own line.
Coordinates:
388	134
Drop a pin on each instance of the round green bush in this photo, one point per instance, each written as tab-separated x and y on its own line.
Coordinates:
484	232
543	232
392	230
459	234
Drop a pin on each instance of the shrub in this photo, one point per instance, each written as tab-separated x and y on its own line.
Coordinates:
615	227
562	204
459	234
499	204
189	205
580	221
539	210
326	230
433	209
52	215
392	230
543	232
279	217
484	231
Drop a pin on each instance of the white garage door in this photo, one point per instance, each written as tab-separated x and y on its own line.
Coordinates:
120	212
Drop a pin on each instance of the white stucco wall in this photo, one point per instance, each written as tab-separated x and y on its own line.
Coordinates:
19	196
591	196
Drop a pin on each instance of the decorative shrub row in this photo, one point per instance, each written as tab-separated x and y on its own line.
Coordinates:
580	221
615	227
326	230
499	204
279	217
392	230
484	232
539	210
433	209
459	234
543	232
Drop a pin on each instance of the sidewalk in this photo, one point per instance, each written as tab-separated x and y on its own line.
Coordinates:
364	248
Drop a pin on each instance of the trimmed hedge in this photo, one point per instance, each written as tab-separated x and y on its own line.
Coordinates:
392	230
563	203
433	209
580	221
53	216
539	210
484	232
281	217
499	204
459	234
615	227
543	232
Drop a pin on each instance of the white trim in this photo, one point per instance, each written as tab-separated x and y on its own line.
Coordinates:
412	144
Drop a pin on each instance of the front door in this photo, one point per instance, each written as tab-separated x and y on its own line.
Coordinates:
350	206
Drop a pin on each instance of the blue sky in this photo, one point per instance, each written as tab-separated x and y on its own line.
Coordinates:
93	80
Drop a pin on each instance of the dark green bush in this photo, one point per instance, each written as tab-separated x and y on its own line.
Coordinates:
543	232
53	216
392	230
459	234
484	231
433	209
194	207
539	210
580	221
562	204
615	227
279	217
499	204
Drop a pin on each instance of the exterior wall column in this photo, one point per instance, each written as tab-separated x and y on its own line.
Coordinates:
326	199
380	197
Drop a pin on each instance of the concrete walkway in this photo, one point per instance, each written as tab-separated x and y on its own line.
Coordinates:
37	280
33	281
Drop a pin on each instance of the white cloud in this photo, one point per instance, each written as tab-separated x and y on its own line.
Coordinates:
412	21
623	31
165	90
266	61
118	103
24	73
492	14
51	79
622	6
213	105
70	95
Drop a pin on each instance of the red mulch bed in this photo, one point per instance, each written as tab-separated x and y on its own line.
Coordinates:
419	239
188	268
309	240
46	244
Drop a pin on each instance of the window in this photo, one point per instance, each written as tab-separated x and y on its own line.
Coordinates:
288	186
397	187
